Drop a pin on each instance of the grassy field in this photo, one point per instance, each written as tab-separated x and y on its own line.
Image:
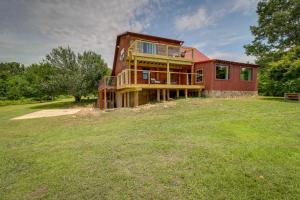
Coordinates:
186	149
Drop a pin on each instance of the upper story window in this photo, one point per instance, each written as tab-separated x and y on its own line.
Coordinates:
222	72
147	47
246	74
199	75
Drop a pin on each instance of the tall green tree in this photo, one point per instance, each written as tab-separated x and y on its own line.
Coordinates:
78	76
276	34
94	68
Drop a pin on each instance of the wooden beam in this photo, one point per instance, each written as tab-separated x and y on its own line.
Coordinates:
177	93
168	94
119	99
105	105
199	93
128	99
164	94
125	99
135	71
186	93
100	99
192	74
168	73
136	99
158	95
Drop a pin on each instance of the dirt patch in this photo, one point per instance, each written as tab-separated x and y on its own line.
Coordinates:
49	113
39	193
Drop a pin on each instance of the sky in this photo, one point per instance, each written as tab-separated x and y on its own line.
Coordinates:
29	29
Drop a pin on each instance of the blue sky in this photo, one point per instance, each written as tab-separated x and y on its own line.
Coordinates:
31	28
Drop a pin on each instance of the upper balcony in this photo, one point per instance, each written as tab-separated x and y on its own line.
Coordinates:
157	52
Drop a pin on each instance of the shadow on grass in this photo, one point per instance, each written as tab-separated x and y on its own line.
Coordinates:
279	99
65	104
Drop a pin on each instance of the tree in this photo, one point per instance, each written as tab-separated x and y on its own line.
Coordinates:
276	35
42	80
278	28
77	76
7	71
17	87
94	68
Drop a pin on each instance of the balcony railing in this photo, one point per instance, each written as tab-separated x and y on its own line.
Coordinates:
108	82
127	77
152	48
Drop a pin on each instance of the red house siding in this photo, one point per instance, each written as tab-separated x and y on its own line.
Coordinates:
234	83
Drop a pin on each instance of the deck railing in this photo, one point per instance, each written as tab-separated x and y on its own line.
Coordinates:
108	82
152	48
127	77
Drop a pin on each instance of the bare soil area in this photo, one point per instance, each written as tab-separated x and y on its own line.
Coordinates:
49	113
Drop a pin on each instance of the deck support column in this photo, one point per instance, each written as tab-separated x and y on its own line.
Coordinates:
99	99
158	95
168	94
128	99
168	73
186	93
119	99
164	94
177	93
135	71
136	98
199	93
105	104
192	75
124	99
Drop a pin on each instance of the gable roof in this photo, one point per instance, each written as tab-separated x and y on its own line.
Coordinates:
144	36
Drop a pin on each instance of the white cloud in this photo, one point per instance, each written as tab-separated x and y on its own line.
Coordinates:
233	56
195	21
37	26
244	6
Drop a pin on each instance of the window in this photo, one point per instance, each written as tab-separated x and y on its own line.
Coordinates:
246	74
145	74
199	75
149	48
222	72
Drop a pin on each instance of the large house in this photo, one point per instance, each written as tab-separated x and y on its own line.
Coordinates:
149	68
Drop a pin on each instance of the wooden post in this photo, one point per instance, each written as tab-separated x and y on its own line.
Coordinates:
158	95
100	99
136	98
119	99
105	105
199	93
168	73
128	99
186	93
135	71
168	94
177	93
125	99
192	75
148	77
113	99
129	76
187	78
164	94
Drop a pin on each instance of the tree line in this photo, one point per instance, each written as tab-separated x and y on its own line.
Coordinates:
62	72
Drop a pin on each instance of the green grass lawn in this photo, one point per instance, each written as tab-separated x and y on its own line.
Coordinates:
196	149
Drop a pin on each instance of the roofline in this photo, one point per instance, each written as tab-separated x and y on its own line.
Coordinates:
153	36
227	61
